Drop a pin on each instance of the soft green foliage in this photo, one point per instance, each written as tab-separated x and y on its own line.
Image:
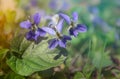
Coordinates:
100	57
3	53
36	57
19	44
13	75
101	60
79	75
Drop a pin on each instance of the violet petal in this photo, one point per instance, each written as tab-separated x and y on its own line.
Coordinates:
73	31
53	43
65	17
62	43
49	30
81	28
75	16
65	38
30	35
60	25
36	18
25	24
41	32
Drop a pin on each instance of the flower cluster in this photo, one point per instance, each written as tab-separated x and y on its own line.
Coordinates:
32	25
74	27
54	28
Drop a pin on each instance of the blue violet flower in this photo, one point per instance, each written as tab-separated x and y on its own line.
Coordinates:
34	30
55	28
74	28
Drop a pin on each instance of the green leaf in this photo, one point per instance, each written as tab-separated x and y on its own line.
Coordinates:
16	42
13	75
3	53
79	75
36	57
101	60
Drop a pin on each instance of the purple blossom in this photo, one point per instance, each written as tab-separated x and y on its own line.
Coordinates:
59	5
74	28
79	28
34	2
35	31
33	35
93	10
26	24
97	21
60	40
36	18
53	4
